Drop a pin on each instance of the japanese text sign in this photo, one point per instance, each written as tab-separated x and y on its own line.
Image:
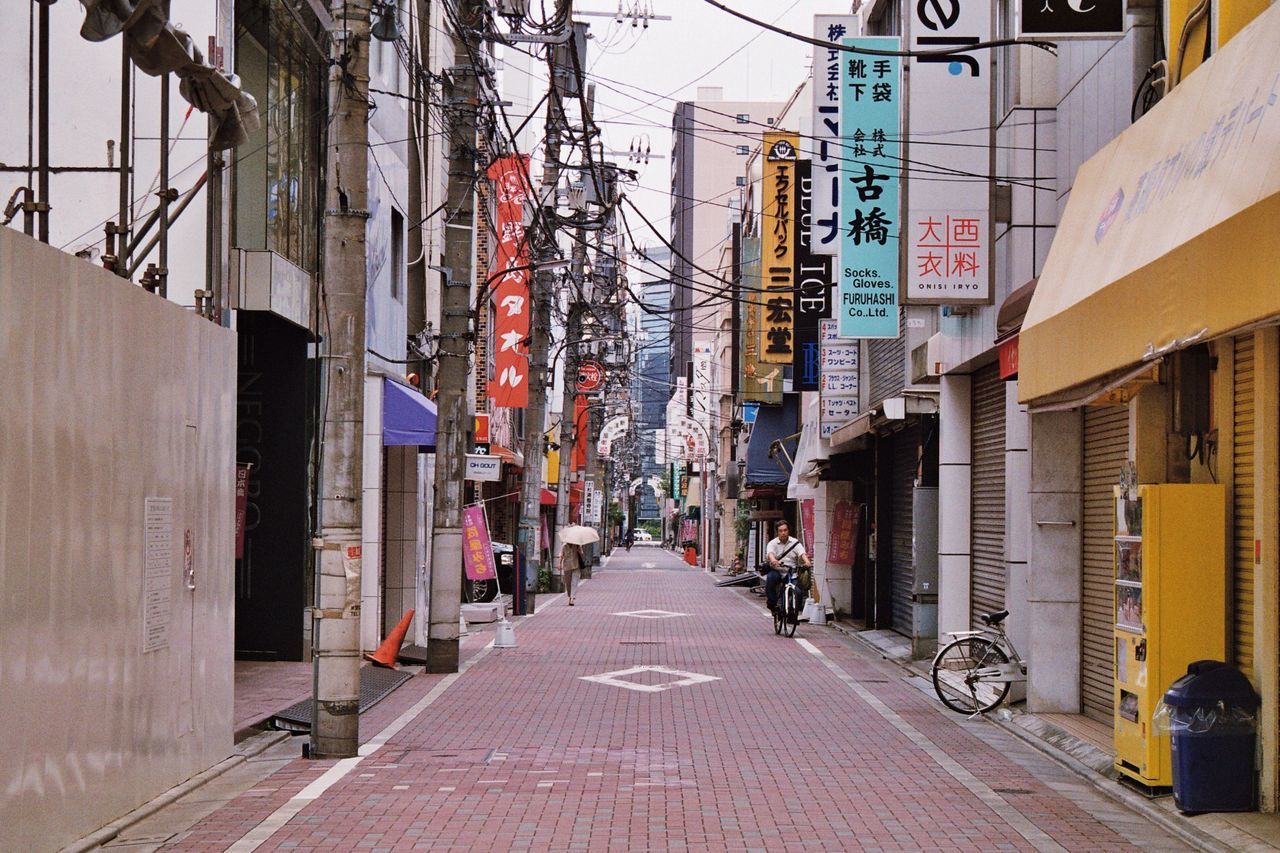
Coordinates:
870	120
842	542
510	283
477	550
947	223
778	248
761	382
838	382
828	152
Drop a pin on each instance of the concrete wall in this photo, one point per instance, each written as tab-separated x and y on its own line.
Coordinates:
111	395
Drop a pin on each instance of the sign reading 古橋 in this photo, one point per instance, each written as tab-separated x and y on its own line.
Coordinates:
870	121
948	223
778	187
826	148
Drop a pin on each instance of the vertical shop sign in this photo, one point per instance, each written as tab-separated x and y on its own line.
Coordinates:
948	221
477	550
813	288
838	379
702	350
828	148
761	382
842	545
778	247
870	119
510	285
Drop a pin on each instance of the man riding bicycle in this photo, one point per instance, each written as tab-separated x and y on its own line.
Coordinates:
783	553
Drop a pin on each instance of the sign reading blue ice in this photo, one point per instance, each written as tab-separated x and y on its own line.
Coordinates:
870	119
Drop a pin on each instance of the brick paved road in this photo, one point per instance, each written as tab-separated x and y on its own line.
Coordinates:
770	744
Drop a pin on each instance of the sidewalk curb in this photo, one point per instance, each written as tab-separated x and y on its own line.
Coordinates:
1104	784
250	747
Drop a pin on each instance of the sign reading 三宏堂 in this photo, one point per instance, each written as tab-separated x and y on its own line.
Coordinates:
1071	18
828	148
761	382
838	382
813	288
778	247
870	120
947	223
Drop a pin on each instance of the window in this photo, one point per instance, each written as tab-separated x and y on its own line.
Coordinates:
744	118
740	181
397	255
744	149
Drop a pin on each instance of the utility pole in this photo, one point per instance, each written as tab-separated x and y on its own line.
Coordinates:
535	423
455	413
335	628
568	413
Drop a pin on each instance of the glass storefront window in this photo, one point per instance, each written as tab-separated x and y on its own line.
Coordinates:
277	173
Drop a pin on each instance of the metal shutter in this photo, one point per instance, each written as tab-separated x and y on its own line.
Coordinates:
888	360
905	446
1242	503
1106	448
987	581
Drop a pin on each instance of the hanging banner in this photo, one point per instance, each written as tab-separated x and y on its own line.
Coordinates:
838	380
842	544
510	383
827	148
813	288
870	119
477	550
778	247
806	524
948	222
702	353
761	383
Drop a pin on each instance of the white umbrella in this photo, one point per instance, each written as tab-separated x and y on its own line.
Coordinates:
576	534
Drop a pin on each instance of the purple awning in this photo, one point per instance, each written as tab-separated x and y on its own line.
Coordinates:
408	418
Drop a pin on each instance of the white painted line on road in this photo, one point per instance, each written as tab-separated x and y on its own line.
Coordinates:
650	614
998	804
273	822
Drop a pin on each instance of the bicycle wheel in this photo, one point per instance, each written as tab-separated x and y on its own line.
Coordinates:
791	612
955	677
777	615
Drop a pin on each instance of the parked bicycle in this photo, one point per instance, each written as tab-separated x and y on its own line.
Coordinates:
972	673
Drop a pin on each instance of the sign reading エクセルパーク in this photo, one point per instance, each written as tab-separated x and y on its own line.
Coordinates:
778	241
947	224
870	119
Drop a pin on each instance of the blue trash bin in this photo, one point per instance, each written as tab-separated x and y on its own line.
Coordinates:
1212	721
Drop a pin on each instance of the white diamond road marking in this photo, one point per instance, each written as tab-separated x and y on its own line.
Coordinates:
648	565
618	679
651	614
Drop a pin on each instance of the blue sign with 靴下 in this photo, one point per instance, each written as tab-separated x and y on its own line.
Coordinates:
872	168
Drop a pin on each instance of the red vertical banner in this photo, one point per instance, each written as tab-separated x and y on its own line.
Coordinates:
842	544
510	283
806	523
477	551
580	433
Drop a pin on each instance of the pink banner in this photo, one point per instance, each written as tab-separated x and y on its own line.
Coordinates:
242	505
511	276
477	551
806	523
842	547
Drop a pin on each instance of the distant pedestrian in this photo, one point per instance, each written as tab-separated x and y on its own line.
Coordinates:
571	563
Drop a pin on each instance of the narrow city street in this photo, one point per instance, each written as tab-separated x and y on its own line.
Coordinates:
662	713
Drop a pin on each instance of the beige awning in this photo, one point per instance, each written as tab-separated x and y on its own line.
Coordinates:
1169	236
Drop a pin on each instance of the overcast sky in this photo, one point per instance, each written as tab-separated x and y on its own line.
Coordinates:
668	59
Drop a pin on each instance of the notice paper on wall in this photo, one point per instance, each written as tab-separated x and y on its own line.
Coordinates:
157	576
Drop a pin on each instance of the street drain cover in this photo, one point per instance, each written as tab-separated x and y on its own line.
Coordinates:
642	642
1011	790
375	684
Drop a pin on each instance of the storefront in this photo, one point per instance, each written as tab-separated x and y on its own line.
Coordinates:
1153	334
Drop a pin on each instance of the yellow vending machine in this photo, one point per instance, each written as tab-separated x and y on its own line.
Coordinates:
1170	606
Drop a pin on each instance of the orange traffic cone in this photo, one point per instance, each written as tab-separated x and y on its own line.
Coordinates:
390	649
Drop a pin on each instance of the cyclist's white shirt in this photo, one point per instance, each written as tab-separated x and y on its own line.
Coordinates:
793	559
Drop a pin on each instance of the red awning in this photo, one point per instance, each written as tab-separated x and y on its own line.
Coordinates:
511	457
548	497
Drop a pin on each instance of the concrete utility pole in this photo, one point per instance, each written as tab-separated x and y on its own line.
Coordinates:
335	629
535	423
455	416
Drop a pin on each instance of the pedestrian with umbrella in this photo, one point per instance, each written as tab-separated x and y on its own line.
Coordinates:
572	560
